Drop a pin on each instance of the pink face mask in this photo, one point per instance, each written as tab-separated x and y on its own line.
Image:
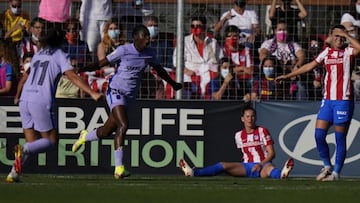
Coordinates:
281	36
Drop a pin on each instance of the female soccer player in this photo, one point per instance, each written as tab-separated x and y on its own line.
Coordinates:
337	106
122	91
38	87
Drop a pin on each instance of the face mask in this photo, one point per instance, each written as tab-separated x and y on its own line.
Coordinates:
224	72
268	71
26	66
358	8
353	35
197	31
231	45
70	37
15	10
34	38
153	31
114	33
281	35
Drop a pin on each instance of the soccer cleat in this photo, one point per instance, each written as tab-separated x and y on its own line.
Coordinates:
332	177
18	156
288	166
12	177
121	172
326	171
80	141
186	168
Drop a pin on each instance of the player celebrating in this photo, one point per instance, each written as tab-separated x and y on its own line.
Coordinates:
37	88
258	152
337	106
122	90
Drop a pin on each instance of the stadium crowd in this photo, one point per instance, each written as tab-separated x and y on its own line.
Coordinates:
233	59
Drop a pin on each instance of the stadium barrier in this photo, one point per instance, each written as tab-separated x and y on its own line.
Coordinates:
163	132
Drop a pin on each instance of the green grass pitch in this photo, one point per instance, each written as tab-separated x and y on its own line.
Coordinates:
172	189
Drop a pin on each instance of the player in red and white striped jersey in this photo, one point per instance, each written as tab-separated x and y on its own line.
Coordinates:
337	106
258	152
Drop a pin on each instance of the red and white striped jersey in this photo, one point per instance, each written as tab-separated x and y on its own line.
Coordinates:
338	67
253	145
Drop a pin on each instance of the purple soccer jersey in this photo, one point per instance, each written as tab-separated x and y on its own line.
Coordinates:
131	65
46	68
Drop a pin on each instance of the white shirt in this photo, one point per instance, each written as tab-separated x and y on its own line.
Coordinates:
282	52
244	22
347	17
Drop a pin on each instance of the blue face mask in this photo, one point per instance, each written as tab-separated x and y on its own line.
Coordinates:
114	33
268	71
153	30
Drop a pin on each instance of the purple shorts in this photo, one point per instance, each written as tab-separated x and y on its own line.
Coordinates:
116	97
37	116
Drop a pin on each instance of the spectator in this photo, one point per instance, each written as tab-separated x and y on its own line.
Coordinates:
16	22
246	20
315	82
265	87
352	17
76	48
202	55
292	16
66	88
224	86
55	11
258	152
113	36
8	80
290	55
164	49
30	44
132	14
240	59
93	16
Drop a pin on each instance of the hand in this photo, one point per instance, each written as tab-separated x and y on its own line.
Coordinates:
176	86
228	78
280	78
16	101
96	96
257	167
317	84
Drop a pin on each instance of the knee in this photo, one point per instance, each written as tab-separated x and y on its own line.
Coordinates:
320	134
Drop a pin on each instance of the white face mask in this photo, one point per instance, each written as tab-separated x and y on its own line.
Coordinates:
26	66
36	39
358	8
153	31
224	72
15	10
114	33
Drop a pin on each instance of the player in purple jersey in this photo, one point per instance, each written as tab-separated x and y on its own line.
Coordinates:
132	60
36	106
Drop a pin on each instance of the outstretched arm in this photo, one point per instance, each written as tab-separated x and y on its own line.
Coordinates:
74	78
95	66
164	75
303	69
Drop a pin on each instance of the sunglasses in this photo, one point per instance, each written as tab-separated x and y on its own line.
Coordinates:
197	25
16	6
